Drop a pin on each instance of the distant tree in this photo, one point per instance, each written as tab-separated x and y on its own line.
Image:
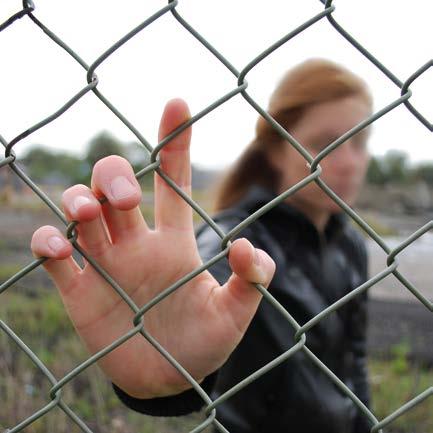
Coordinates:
139	158
41	163
76	169
137	155
424	171
102	145
376	173
396	166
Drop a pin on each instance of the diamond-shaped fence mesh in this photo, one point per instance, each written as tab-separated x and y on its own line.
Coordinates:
8	163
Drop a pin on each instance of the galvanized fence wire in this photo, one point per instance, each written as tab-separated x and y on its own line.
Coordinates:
55	394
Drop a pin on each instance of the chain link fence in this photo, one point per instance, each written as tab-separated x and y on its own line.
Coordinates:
8	163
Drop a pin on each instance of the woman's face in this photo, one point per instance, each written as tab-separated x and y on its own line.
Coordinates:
343	170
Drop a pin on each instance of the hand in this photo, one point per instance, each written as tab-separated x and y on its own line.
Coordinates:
199	324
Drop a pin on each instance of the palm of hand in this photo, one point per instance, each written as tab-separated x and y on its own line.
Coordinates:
144	266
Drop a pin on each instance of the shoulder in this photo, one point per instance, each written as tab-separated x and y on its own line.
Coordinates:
227	220
208	240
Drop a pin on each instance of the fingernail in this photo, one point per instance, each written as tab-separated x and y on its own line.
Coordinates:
121	187
79	202
258	264
56	243
257	258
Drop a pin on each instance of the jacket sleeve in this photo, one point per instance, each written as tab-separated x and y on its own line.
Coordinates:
358	342
188	401
174	405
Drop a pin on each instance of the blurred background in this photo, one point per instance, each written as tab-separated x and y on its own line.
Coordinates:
165	61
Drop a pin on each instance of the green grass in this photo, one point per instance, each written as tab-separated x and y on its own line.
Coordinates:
394	383
7	270
42	324
3	245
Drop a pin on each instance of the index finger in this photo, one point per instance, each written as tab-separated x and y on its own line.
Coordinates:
171	210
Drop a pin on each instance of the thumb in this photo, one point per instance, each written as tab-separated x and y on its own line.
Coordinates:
249	264
239	298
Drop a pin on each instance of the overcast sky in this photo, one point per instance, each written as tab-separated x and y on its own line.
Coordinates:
164	61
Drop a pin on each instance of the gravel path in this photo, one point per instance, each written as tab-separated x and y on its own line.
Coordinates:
395	314
415	264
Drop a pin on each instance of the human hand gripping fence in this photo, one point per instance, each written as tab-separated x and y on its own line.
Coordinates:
199	324
134	320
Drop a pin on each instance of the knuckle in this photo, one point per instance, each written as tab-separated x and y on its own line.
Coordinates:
72	284
97	249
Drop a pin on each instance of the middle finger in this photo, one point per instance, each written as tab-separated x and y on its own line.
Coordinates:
113	177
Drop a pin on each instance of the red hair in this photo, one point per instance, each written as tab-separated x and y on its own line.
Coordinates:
310	82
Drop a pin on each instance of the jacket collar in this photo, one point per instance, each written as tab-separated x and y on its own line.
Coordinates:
257	196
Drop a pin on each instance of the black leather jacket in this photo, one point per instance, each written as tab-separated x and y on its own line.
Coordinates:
312	272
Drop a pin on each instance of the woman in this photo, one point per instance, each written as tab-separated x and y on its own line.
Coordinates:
214	325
